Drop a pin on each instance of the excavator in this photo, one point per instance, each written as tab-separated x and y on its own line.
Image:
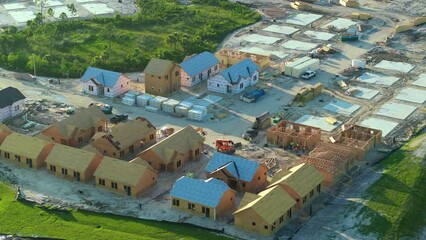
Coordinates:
225	146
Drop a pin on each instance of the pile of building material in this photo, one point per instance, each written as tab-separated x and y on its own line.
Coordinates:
302	6
349	3
197	113
169	106
410	25
183	108
360	16
151	109
129	98
298	67
307	94
157	102
143	99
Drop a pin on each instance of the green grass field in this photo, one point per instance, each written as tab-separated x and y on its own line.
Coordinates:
26	219
398	199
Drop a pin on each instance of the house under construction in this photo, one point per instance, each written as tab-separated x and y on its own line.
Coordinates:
229	57
359	139
284	133
331	160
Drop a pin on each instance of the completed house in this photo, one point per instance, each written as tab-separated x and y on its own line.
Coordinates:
72	163
266	212
162	77
106	83
4	132
174	151
209	198
12	102
302	183
239	173
125	138
236	78
25	150
125	177
197	68
78	128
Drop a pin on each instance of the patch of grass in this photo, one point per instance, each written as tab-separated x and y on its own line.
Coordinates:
397	205
26	219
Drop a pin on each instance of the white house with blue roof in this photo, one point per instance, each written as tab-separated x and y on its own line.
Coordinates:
238	173
197	68
236	78
99	82
209	198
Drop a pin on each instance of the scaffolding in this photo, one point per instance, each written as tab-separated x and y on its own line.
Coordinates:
285	133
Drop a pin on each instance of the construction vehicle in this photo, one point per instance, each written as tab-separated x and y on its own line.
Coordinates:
225	146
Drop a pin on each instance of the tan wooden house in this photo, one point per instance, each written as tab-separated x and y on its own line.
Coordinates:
125	178
72	163
77	129
125	138
174	151
162	77
209	198
25	150
266	212
4	132
302	183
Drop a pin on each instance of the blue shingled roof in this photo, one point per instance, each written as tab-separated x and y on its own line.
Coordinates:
199	63
240	168
104	77
205	192
244	68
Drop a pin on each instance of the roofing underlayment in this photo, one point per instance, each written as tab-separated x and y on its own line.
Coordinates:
341	107
287	30
378	79
319	35
412	95
199	63
365	93
299	45
421	80
69	157
396	110
302	19
241	168
257	38
395	66
319	122
385	126
23	145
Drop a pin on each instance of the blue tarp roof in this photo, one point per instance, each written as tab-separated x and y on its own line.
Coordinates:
104	77
199	63
244	68
240	168
205	192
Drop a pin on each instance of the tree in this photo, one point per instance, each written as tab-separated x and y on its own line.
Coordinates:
41	4
50	13
72	9
63	16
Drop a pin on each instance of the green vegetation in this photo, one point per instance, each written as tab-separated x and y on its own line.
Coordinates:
26	219
162	28
397	205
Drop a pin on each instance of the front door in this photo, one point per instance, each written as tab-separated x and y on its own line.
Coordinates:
129	191
207	212
131	149
77	176
228	89
30	163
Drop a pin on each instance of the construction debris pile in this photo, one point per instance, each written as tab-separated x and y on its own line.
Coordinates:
377	54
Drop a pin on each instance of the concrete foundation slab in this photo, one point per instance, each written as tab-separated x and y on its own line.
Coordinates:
261	51
299	45
341	107
421	81
378	79
257	38
54	3
385	126
412	95
212	98
396	110
13	6
340	24
302	19
63	9
22	16
98	8
318	122
365	93
319	35
84	1
395	66
287	30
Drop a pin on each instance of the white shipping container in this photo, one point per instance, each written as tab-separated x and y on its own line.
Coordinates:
356	63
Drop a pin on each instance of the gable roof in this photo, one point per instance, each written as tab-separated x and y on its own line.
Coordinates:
240	168
101	76
23	145
199	63
125	134
269	204
10	95
179	142
121	171
205	192
243	69
158	66
301	178
3	127
83	119
69	157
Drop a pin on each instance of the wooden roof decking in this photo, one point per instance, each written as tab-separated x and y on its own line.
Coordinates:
23	145
69	157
